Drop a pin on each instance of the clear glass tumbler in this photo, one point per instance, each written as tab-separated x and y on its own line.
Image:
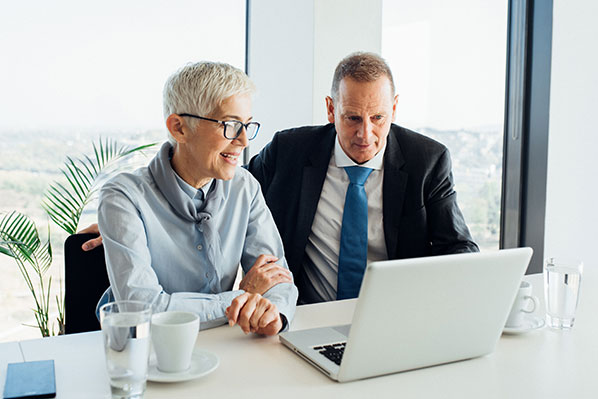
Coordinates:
562	280
126	331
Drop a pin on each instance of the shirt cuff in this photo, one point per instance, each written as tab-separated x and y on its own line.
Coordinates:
285	323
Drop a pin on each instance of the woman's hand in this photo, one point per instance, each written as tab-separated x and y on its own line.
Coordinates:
254	313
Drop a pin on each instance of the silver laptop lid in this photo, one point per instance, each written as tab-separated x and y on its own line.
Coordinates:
421	312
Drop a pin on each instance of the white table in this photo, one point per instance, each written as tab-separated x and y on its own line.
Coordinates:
541	364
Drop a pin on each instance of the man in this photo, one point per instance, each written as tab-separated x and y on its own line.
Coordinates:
411	208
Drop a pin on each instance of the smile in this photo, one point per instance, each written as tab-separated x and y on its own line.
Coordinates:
230	158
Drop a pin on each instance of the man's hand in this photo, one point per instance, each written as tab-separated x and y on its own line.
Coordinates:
91	244
254	313
264	274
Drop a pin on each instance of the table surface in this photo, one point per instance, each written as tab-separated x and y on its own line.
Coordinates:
544	363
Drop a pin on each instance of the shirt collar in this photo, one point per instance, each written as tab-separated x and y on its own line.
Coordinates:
342	160
191	191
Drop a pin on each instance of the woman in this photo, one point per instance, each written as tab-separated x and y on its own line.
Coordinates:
175	232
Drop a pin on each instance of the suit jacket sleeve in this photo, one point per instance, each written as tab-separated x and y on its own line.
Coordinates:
448	231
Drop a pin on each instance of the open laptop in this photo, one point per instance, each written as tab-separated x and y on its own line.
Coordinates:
415	313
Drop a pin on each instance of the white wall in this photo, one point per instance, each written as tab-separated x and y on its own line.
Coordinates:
294	47
281	65
340	28
572	192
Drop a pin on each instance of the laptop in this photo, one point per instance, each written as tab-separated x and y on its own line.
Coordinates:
415	313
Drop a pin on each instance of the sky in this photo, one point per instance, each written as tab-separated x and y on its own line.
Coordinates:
79	64
102	65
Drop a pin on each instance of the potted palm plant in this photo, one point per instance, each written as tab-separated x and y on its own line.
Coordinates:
64	203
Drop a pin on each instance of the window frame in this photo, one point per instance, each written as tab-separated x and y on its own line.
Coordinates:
527	103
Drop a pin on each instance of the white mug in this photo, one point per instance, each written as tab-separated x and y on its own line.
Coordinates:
173	338
521	305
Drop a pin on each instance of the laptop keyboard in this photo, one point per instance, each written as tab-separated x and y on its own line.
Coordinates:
333	352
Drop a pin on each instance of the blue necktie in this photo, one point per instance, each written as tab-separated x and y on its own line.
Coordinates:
353	252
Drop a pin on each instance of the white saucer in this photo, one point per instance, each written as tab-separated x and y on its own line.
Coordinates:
530	323
202	363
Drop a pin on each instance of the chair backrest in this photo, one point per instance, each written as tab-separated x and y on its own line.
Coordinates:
85	281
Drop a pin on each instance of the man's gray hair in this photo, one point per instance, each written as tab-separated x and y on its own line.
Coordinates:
361	67
200	88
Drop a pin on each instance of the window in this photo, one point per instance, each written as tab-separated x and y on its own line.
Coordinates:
73	71
448	61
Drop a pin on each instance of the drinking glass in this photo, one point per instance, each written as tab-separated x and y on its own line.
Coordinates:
126	331
562	279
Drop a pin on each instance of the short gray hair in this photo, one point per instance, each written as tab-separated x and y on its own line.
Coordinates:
361	67
200	88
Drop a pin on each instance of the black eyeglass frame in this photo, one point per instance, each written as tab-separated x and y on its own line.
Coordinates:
225	125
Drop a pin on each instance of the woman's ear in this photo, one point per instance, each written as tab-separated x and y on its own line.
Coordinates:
176	125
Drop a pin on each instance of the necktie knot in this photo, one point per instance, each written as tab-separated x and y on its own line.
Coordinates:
357	174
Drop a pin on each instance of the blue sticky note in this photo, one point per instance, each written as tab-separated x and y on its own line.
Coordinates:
30	380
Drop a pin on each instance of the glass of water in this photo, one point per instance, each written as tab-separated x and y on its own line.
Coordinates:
562	279
126	331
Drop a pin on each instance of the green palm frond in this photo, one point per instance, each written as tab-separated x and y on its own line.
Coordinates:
4	249
20	236
64	203
19	233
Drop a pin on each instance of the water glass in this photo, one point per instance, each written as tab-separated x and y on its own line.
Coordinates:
126	332
562	279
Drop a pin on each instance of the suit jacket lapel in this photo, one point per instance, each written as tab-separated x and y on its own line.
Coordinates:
393	190
314	174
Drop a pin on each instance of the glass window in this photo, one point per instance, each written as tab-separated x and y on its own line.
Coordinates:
73	71
448	61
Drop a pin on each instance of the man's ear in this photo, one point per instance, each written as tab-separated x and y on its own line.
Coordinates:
330	109
394	107
175	125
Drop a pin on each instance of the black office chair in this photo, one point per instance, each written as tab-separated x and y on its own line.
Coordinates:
85	282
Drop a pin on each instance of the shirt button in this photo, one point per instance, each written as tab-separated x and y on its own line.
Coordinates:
207	275
199	247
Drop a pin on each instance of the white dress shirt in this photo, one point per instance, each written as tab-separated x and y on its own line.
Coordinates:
323	245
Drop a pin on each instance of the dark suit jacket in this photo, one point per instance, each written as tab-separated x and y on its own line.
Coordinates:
420	212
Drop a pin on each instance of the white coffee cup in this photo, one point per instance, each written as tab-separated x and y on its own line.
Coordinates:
521	305
173	338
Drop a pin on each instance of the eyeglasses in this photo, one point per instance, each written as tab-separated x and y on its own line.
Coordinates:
232	129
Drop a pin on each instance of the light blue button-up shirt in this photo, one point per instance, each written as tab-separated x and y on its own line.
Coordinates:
167	243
